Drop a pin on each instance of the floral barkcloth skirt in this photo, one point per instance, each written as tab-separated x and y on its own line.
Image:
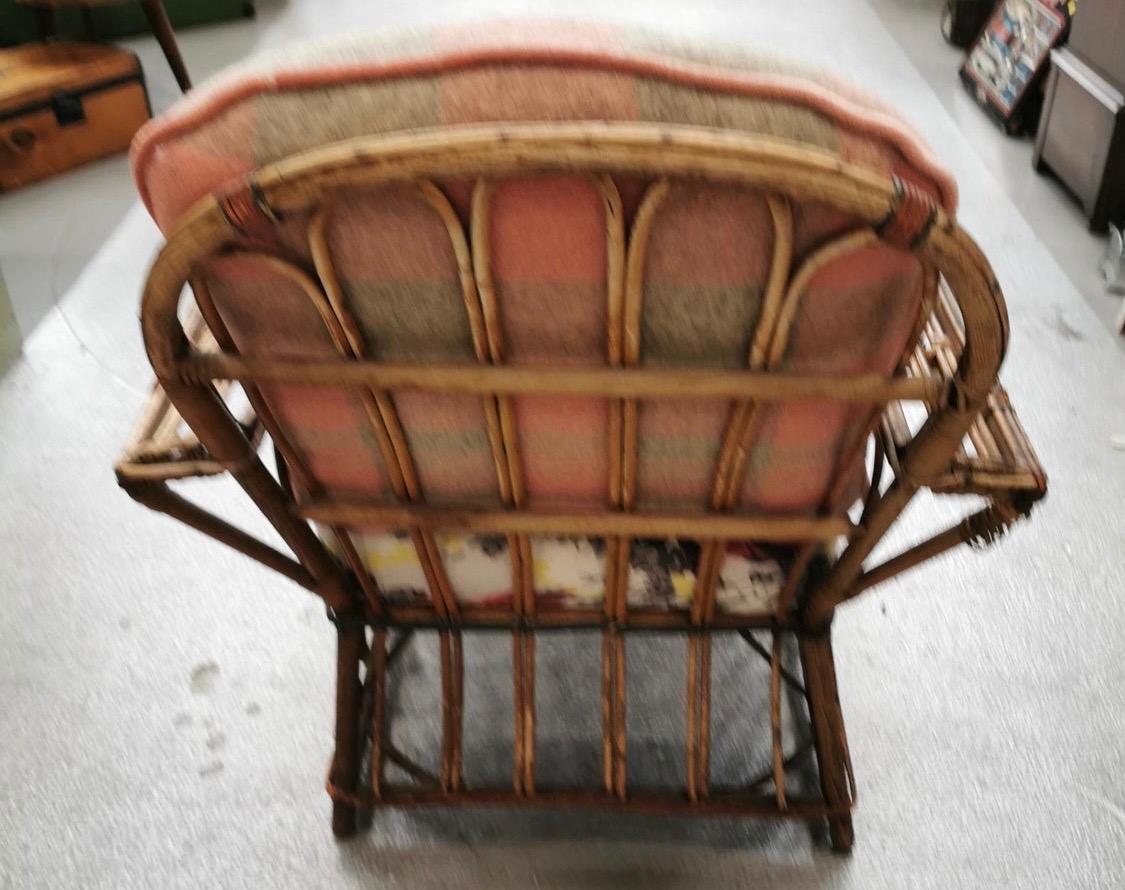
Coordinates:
569	572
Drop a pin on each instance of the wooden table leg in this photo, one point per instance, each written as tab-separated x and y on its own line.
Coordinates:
162	30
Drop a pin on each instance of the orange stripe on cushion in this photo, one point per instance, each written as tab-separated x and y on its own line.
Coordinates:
548	240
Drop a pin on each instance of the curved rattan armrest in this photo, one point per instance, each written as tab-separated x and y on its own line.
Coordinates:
995	462
996	459
162	447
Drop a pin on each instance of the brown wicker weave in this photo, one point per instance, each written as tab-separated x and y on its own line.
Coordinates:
970	443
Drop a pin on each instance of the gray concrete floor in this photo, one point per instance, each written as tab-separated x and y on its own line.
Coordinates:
165	706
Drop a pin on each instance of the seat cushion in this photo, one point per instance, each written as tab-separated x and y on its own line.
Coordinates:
569	572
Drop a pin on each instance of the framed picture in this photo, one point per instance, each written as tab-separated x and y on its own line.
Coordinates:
1010	55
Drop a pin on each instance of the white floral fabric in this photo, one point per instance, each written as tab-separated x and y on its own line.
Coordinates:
569	572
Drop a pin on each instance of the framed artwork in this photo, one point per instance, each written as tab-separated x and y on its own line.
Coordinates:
1010	55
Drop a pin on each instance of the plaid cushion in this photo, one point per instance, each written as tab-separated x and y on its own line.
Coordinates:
705	276
299	98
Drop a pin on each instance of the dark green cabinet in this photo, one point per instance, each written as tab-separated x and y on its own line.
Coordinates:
17	22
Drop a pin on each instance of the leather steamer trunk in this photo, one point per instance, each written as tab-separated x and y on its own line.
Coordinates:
64	104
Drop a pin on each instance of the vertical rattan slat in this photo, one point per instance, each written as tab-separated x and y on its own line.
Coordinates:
344	334
503	431
616	551
381	411
295	467
764	353
388	430
524	641
617	581
528	723
452	644
482	349
367	584
930	285
854	451
612	681
724	493
339	336
452	681
776	729
768	348
298	472
725	487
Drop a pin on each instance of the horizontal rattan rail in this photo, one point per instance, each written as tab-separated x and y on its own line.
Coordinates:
788	529
969	442
492	618
615	383
720	802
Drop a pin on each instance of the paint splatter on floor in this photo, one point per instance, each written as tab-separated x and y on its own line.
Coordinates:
203	677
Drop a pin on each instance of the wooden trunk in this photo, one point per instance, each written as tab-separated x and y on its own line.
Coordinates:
63	104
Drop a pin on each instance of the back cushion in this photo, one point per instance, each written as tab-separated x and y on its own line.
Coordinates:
398	252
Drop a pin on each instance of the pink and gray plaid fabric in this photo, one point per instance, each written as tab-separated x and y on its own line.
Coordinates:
705	276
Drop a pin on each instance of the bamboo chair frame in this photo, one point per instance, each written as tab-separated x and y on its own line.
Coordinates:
969	443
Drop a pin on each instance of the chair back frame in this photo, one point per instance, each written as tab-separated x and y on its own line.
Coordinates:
818	582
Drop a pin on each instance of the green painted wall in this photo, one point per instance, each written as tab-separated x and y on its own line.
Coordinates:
17	23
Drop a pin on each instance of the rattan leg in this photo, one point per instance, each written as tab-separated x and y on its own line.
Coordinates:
346	762
829	737
379	661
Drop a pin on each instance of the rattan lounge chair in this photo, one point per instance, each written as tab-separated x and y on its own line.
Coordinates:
554	329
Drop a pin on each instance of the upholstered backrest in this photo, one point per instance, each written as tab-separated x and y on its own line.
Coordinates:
549	270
